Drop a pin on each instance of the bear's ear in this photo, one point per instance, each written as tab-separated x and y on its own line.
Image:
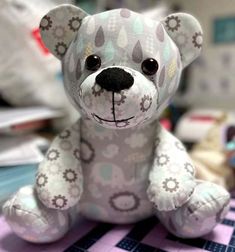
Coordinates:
59	27
186	32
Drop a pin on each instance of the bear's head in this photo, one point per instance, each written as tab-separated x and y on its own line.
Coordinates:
120	67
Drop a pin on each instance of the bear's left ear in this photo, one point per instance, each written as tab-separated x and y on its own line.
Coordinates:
186	32
59	27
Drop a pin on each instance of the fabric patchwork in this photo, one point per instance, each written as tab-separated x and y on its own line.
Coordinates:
116	46
59	177
59	27
31	220
117	164
66	29
186	33
171	182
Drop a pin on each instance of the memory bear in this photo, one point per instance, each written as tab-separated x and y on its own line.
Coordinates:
117	164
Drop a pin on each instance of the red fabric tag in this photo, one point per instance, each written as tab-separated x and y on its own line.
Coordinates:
36	35
202	118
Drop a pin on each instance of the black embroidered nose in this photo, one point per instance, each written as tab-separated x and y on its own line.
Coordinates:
114	79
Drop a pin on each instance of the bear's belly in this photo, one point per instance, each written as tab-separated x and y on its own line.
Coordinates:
116	166
123	202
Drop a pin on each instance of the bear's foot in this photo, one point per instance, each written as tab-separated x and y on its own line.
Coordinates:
207	206
31	220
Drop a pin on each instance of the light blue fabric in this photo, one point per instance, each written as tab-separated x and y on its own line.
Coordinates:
14	177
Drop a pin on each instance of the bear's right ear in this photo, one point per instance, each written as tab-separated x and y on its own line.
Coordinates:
59	27
186	32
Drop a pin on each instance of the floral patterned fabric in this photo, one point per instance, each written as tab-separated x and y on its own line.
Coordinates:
31	220
59	180
200	214
116	164
117	186
172	176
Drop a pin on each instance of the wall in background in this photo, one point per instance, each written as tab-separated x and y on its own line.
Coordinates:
212	78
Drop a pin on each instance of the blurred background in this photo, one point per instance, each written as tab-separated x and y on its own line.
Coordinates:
33	106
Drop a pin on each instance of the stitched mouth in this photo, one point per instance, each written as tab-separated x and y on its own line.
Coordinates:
116	121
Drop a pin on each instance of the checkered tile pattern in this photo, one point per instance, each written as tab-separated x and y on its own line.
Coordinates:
150	236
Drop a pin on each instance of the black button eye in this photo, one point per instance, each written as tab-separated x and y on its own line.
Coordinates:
149	66
93	62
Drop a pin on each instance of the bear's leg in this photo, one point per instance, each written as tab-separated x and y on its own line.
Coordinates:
206	207
32	221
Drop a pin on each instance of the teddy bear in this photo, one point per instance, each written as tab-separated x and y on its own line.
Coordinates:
117	164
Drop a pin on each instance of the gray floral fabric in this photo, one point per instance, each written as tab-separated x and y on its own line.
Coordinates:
127	175
121	38
172	175
117	164
207	206
33	221
59	180
186	32
115	168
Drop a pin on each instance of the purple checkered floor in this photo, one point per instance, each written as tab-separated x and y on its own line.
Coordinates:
146	236
151	236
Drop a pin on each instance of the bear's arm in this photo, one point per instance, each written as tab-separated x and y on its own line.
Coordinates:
172	176
59	178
